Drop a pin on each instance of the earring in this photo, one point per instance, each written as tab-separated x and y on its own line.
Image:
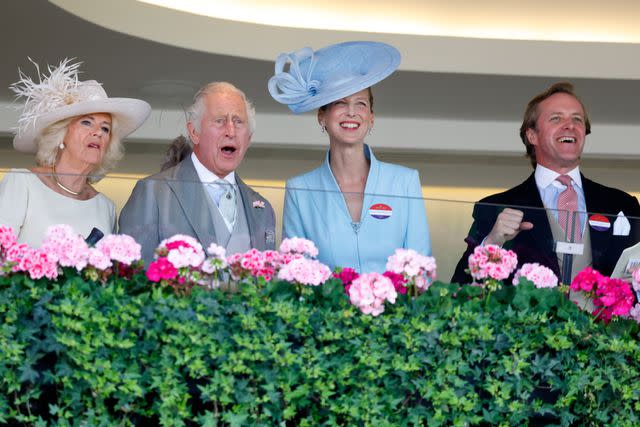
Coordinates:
61	146
323	128
370	131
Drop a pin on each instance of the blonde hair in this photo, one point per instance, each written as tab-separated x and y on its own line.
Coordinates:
52	136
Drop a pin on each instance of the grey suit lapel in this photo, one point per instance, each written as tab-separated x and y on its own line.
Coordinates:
192	198
254	216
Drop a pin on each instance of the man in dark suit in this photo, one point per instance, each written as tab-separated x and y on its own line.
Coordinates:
202	196
531	217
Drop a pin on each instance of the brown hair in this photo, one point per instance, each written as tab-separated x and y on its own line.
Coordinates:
531	115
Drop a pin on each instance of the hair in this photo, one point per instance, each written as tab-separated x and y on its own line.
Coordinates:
531	115
177	151
52	136
324	107
196	110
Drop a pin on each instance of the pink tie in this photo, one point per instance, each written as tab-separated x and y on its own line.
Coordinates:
567	210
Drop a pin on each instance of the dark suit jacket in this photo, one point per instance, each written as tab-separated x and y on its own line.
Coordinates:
175	202
537	244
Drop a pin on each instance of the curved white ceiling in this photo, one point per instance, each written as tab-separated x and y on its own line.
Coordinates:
551	20
454	36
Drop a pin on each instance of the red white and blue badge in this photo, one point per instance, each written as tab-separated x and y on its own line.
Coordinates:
380	211
599	222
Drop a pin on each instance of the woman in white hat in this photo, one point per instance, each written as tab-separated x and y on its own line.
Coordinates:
76	132
355	208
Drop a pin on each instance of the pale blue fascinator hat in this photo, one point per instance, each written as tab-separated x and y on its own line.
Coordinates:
314	79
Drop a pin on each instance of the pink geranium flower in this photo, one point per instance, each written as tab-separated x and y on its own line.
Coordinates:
161	269
298	245
66	246
38	264
121	248
417	270
491	262
7	237
539	275
614	297
347	275
369	292
305	272
587	280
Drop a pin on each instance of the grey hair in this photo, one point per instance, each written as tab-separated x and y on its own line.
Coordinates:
196	111
52	136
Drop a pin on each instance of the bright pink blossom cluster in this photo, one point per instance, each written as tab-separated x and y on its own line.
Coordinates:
63	247
254	263
370	291
611	297
417	270
67	246
539	275
18	257
347	275
304	271
491	262
178	261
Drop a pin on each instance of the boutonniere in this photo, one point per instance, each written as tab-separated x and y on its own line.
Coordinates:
258	204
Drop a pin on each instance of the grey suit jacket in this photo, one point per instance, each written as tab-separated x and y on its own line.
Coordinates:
174	201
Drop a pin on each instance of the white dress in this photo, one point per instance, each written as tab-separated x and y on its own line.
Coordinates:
30	207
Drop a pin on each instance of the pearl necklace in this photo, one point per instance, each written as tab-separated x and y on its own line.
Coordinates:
55	178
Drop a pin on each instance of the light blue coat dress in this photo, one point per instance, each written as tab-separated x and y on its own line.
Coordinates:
393	216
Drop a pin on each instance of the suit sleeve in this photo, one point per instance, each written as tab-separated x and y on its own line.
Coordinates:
139	219
292	225
417	237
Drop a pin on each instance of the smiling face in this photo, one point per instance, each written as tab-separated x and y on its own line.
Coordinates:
348	120
559	134
87	139
223	135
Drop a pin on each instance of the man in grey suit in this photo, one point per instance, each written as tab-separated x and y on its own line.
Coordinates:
202	196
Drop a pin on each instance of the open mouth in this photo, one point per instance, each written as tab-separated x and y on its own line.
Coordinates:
93	145
228	149
567	139
349	125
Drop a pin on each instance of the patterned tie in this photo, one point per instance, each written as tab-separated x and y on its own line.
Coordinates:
567	210
223	195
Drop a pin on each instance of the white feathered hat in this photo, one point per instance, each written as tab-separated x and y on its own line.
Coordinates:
61	95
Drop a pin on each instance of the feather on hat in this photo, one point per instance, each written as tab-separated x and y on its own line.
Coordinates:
60	95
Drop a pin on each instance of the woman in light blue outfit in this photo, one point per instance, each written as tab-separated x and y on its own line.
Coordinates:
355	208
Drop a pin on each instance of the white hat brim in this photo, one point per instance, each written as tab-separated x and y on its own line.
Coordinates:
127	113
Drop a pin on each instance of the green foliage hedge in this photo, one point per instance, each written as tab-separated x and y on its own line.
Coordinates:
79	353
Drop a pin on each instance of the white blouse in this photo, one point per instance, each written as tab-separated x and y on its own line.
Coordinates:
30	207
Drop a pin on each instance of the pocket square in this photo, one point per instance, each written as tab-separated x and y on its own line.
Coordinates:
621	226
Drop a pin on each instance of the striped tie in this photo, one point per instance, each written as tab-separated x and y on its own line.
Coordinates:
567	210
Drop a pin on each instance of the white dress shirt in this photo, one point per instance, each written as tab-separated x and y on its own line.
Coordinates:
550	190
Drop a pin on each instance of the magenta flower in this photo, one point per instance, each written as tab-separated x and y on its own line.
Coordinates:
161	269
587	280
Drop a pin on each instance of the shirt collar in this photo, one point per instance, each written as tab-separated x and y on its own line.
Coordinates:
545	176
206	176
